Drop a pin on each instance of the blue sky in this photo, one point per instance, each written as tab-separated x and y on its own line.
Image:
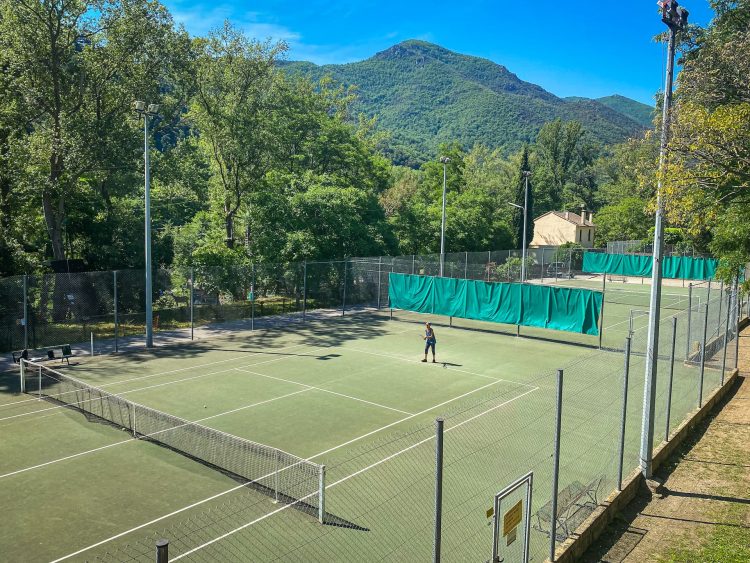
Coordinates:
570	47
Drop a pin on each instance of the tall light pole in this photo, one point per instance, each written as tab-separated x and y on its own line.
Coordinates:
526	174
445	160
676	18
147	112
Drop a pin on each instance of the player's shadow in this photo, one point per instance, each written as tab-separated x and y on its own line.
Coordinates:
449	364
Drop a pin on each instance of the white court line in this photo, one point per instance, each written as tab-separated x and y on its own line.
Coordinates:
31	413
343	479
79	454
420	362
323	390
172	371
233	489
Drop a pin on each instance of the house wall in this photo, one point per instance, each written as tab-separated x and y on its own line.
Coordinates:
551	230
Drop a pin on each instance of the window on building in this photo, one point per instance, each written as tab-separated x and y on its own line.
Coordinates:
580	234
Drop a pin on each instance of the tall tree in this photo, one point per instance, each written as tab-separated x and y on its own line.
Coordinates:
518	216
234	107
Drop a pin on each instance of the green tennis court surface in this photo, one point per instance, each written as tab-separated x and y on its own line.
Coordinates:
349	393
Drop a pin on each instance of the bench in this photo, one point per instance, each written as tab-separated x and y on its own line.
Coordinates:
574	504
62	353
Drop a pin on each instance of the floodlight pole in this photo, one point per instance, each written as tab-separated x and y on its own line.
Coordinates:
445	160
145	113
675	21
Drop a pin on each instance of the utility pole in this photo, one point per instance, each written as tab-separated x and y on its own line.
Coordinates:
445	160
146	113
675	17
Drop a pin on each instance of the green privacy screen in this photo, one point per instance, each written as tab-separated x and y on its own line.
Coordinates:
675	267
558	308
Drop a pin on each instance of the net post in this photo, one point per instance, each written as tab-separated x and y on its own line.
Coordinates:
304	291
22	368
92	344
690	320
192	303
322	495
439	426
380	275
556	466
39	380
162	551
135	430
726	340
623	421
703	357
117	320
343	300
252	292
671	377
276	478
25	312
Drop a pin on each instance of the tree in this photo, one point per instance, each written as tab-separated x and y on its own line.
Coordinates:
236	94
624	220
518	215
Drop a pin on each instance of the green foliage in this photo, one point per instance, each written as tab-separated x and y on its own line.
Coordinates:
625	220
511	269
638	112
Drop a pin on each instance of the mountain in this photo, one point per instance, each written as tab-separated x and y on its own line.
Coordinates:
425	95
638	112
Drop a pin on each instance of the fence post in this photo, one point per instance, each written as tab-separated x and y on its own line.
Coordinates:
304	291
721	302
322	496
556	467
671	377
252	293
439	423
162	551
489	261
703	357
626	376
466	266
117	321
25	312
343	301
601	313
380	275
413	263
192	303
726	339
690	319
737	330
570	262
542	265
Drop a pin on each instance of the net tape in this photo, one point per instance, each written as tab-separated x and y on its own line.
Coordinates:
271	470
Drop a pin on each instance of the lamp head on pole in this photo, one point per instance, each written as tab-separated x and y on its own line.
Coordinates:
526	173
445	159
674	15
139	106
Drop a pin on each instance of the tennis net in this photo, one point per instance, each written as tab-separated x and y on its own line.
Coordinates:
273	471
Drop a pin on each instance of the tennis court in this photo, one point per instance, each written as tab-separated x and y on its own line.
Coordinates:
348	392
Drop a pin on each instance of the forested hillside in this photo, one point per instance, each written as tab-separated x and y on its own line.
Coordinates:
257	160
425	95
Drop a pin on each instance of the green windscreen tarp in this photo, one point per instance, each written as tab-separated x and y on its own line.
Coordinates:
559	308
673	267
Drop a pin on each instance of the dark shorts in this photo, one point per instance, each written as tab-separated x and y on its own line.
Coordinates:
429	344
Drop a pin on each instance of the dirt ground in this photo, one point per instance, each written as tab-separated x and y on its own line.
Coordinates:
703	513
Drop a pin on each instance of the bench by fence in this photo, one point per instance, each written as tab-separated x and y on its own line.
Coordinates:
62	352
574	504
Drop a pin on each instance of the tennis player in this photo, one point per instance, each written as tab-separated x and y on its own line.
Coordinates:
430	340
